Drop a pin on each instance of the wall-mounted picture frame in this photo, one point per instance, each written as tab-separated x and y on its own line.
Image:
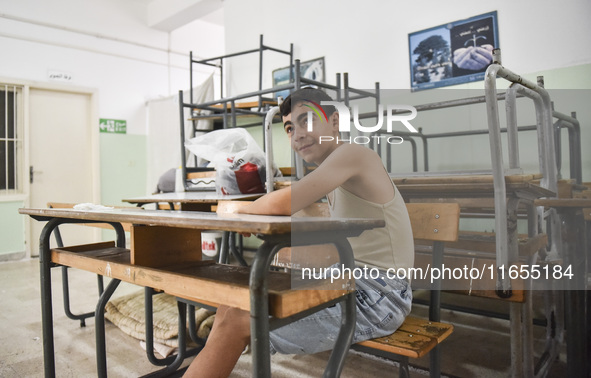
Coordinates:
311	69
453	53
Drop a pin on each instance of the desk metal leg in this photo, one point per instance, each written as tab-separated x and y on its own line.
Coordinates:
348	319
223	258
575	255
259	310
46	300
259	305
101	347
435	308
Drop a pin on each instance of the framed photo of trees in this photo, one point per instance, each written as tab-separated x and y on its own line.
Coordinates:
453	53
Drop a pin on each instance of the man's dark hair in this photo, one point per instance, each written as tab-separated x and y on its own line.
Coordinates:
307	94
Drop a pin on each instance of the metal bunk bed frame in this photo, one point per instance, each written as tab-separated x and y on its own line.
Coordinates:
548	133
506	210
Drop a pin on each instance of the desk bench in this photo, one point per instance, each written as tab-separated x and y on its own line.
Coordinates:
435	223
178	272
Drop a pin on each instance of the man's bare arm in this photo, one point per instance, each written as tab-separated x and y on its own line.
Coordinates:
343	164
274	203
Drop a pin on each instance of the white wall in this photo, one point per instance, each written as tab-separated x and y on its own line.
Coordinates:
103	44
107	46
370	39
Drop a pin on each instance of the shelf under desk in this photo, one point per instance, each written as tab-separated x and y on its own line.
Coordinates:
217	283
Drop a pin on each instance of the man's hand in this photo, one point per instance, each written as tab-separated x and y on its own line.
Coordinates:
473	58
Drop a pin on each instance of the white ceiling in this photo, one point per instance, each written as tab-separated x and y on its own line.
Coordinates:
168	15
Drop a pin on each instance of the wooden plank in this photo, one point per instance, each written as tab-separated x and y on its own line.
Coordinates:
585	193
461	179
158	246
85	256
425	327
198	175
486	242
480	287
201	281
403	343
286	171
434	221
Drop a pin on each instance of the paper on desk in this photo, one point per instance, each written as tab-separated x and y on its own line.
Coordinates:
91	206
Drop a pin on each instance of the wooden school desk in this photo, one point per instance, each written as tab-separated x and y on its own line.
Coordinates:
200	201
165	255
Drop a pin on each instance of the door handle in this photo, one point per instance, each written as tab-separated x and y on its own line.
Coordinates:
32	174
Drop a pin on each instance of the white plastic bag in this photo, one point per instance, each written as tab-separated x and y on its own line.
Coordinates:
238	160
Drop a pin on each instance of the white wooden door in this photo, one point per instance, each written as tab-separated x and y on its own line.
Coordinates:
60	154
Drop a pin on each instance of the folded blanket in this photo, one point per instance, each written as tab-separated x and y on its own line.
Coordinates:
128	314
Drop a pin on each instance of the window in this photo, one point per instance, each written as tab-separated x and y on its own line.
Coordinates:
10	142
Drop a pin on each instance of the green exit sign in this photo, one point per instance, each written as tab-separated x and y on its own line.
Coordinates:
115	126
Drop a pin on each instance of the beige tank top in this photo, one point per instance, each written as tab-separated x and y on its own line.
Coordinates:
387	247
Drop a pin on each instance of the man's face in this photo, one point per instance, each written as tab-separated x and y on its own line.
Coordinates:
307	143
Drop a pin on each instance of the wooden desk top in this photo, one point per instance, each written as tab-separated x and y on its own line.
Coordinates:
256	224
192	197
468	186
431	185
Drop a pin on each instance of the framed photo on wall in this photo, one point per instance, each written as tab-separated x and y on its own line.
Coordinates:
311	69
453	53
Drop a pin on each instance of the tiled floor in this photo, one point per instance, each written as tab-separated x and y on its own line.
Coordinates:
479	346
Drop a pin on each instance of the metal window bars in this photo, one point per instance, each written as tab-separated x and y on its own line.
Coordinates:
9	139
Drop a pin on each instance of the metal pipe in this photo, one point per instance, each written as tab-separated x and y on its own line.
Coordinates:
425	151
268	131
558	148
183	149
299	162
574	140
338	86
474	132
276	50
46	298
515	313
512	137
362	93
233	112
413	145
101	347
227	56
291	62
261	49
348	317
221	78
547	154
318	83
346	87
500	193
190	77
259	306
207	64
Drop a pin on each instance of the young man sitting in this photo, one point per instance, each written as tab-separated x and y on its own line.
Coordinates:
356	185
